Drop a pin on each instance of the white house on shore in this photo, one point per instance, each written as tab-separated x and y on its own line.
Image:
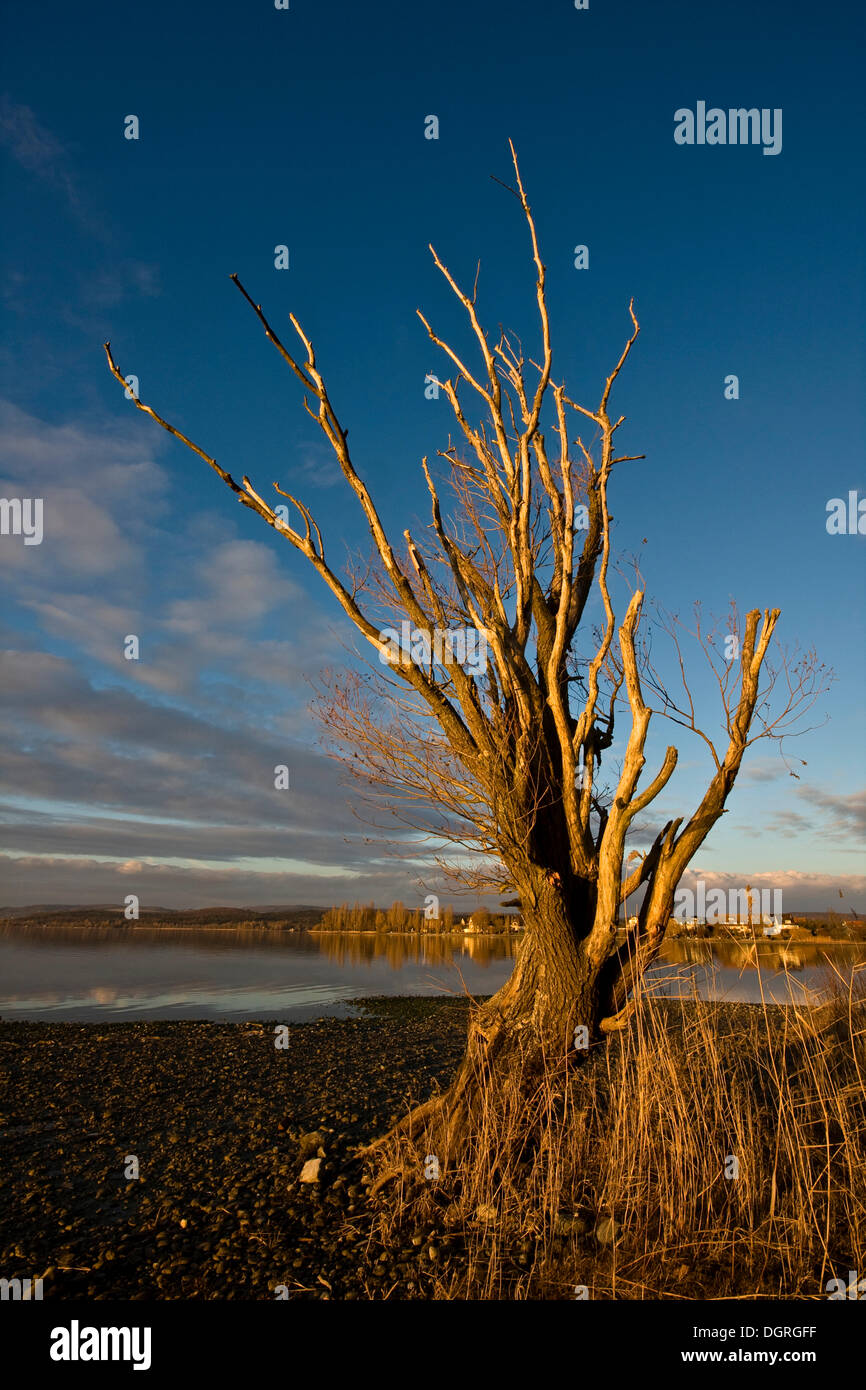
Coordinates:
769	926
777	928
473	926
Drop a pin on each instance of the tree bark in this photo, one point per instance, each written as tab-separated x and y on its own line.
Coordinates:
524	1035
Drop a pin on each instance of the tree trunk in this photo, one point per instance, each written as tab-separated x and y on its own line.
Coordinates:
522	1035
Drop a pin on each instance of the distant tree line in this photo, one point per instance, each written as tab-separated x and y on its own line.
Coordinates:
829	924
400	918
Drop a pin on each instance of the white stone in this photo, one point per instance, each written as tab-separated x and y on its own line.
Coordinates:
310	1170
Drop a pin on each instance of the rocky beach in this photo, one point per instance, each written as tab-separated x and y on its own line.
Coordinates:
221	1122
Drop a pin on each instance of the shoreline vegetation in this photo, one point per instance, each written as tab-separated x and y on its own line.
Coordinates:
633	1194
825	929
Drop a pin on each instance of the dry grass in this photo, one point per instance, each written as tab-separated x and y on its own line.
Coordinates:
643	1134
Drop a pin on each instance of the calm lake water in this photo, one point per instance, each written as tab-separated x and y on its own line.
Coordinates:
70	974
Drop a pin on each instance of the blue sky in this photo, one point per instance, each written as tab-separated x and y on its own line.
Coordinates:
305	127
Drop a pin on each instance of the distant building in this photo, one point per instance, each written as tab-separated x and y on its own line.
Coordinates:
778	928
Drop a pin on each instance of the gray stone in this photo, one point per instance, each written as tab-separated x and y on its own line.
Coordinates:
311	1143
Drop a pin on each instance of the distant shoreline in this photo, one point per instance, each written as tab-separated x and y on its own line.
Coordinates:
269	927
798	938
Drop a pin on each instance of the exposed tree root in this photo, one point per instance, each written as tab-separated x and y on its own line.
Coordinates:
498	1107
617	1022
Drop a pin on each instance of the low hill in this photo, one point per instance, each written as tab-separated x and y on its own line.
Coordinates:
279	918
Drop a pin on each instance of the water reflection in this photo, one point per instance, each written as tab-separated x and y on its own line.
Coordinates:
774	971
100	973
425	948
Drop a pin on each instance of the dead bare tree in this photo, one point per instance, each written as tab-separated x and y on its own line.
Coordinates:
508	756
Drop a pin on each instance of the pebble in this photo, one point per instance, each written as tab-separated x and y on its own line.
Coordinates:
607	1230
